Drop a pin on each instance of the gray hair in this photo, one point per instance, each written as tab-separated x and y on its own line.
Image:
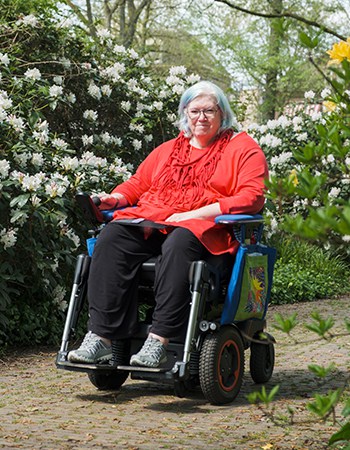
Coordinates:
206	88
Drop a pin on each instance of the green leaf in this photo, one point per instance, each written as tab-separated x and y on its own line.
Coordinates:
20	201
285	325
342	435
321	371
307	41
324	404
320	325
346	410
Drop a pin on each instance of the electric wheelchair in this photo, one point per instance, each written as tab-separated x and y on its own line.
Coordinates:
227	317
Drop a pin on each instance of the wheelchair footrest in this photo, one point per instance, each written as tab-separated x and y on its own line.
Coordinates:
143	369
84	367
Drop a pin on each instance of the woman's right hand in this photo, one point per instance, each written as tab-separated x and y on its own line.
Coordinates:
107	201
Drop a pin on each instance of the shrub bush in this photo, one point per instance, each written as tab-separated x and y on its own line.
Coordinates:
75	114
305	272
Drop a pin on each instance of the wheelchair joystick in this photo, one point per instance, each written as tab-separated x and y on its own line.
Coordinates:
96	200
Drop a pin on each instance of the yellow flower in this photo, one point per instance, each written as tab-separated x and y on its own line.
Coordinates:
330	106
293	177
257	284
340	51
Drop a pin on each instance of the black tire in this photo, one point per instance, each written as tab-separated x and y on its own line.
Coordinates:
184	388
108	381
221	366
262	360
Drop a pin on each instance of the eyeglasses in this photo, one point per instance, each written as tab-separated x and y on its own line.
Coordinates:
208	113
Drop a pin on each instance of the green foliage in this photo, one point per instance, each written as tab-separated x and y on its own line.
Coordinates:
285	324
320	371
323	405
263	396
305	272
343	435
76	114
310	186
319	325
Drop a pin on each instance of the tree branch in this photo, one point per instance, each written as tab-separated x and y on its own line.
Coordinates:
81	16
284	15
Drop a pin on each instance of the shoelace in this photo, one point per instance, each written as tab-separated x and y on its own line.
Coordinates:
90	343
153	347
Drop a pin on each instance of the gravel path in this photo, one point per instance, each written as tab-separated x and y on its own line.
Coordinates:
45	408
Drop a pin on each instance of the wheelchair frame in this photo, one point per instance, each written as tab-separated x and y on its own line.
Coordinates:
211	355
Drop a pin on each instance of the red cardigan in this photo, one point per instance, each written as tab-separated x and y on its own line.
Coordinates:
237	184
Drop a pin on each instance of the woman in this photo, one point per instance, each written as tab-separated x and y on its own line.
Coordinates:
183	184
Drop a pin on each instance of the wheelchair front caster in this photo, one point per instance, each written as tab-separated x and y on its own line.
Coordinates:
221	365
108	381
262	359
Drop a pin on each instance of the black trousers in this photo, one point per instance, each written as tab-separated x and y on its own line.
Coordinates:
113	279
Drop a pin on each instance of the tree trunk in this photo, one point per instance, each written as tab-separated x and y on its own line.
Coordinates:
269	105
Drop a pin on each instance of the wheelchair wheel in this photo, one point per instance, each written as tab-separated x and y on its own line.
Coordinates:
221	366
108	381
262	360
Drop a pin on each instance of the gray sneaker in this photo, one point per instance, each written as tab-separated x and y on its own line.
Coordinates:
92	350
152	354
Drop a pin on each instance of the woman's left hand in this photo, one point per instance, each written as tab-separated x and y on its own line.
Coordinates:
206	212
179	217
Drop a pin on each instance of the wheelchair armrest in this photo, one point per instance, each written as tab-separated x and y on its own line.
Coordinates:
239	218
240	226
107	214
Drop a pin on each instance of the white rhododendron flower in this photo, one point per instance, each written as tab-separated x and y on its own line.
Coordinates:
29	20
137	144
33	74
119	49
334	192
5	101
59	143
56	91
138	127
192	79
69	163
4	168
37	159
58	80
87	140
71	98
106	90
125	105
177	70
90	115
173	79
8	237
158	105
17	123
270	140
33	182
4	59
281	159
94	91
309	95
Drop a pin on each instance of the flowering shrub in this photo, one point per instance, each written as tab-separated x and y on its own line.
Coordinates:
76	114
310	161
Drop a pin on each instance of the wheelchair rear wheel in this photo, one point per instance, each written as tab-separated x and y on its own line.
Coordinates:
262	360
221	365
108	381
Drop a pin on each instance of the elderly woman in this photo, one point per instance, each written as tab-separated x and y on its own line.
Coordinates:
208	170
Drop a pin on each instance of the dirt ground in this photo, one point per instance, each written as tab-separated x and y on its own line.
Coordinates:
45	408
